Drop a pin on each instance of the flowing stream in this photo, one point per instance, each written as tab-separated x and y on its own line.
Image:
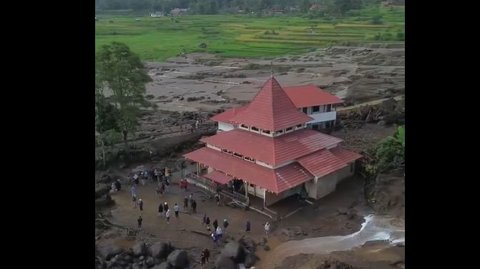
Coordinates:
374	228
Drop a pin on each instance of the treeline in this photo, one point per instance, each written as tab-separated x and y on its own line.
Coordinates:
337	7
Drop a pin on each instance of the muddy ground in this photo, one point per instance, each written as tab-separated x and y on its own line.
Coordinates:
195	87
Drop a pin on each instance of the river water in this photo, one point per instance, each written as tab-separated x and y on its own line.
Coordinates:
373	228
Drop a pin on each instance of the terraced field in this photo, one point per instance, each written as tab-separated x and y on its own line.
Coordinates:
245	35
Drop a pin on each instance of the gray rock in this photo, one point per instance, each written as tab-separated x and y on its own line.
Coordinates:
249	244
108	252
136	266
139	249
127	257
160	250
157	261
223	262
235	251
250	260
163	265
149	261
178	258
101	190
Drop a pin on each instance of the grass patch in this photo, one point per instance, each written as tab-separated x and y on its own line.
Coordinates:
244	35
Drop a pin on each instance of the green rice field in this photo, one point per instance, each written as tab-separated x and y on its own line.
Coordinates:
247	35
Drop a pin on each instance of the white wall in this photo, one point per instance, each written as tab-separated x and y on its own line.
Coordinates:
225	126
322	117
257	191
321	187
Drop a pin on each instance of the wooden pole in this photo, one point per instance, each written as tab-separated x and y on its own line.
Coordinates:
246	188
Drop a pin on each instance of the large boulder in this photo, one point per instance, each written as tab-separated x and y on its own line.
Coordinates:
250	260
160	250
139	249
101	190
105	178
110	251
150	261
249	244
235	251
223	262
178	258
163	265
105	200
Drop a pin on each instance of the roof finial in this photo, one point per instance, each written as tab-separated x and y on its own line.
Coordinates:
271	69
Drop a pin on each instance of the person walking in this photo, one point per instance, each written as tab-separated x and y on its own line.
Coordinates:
204	257
217	199
219	232
139	222
176	208
160	210
134	200
267	228
225	224
215	225
167	215
185	202
247	226
206	254
140	204
194	206
207	223
118	185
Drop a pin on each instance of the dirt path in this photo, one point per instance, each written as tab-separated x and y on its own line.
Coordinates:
369	103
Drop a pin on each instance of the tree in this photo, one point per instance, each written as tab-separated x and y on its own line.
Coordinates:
106	120
121	72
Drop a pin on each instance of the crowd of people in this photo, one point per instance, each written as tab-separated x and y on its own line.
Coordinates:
162	179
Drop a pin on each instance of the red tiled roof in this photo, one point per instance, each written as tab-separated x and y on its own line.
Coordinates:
228	114
274	180
324	162
270	150
345	155
271	109
310	95
219	177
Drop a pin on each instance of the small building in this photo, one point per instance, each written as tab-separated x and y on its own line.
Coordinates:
156	14
311	100
178	11
268	152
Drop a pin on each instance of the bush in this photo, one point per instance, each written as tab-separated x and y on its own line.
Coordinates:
401	36
377	19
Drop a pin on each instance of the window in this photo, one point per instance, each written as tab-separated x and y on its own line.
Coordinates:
279	132
266	131
299	126
255	129
316	109
329	108
243	126
289	129
305	110
238	155
249	159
